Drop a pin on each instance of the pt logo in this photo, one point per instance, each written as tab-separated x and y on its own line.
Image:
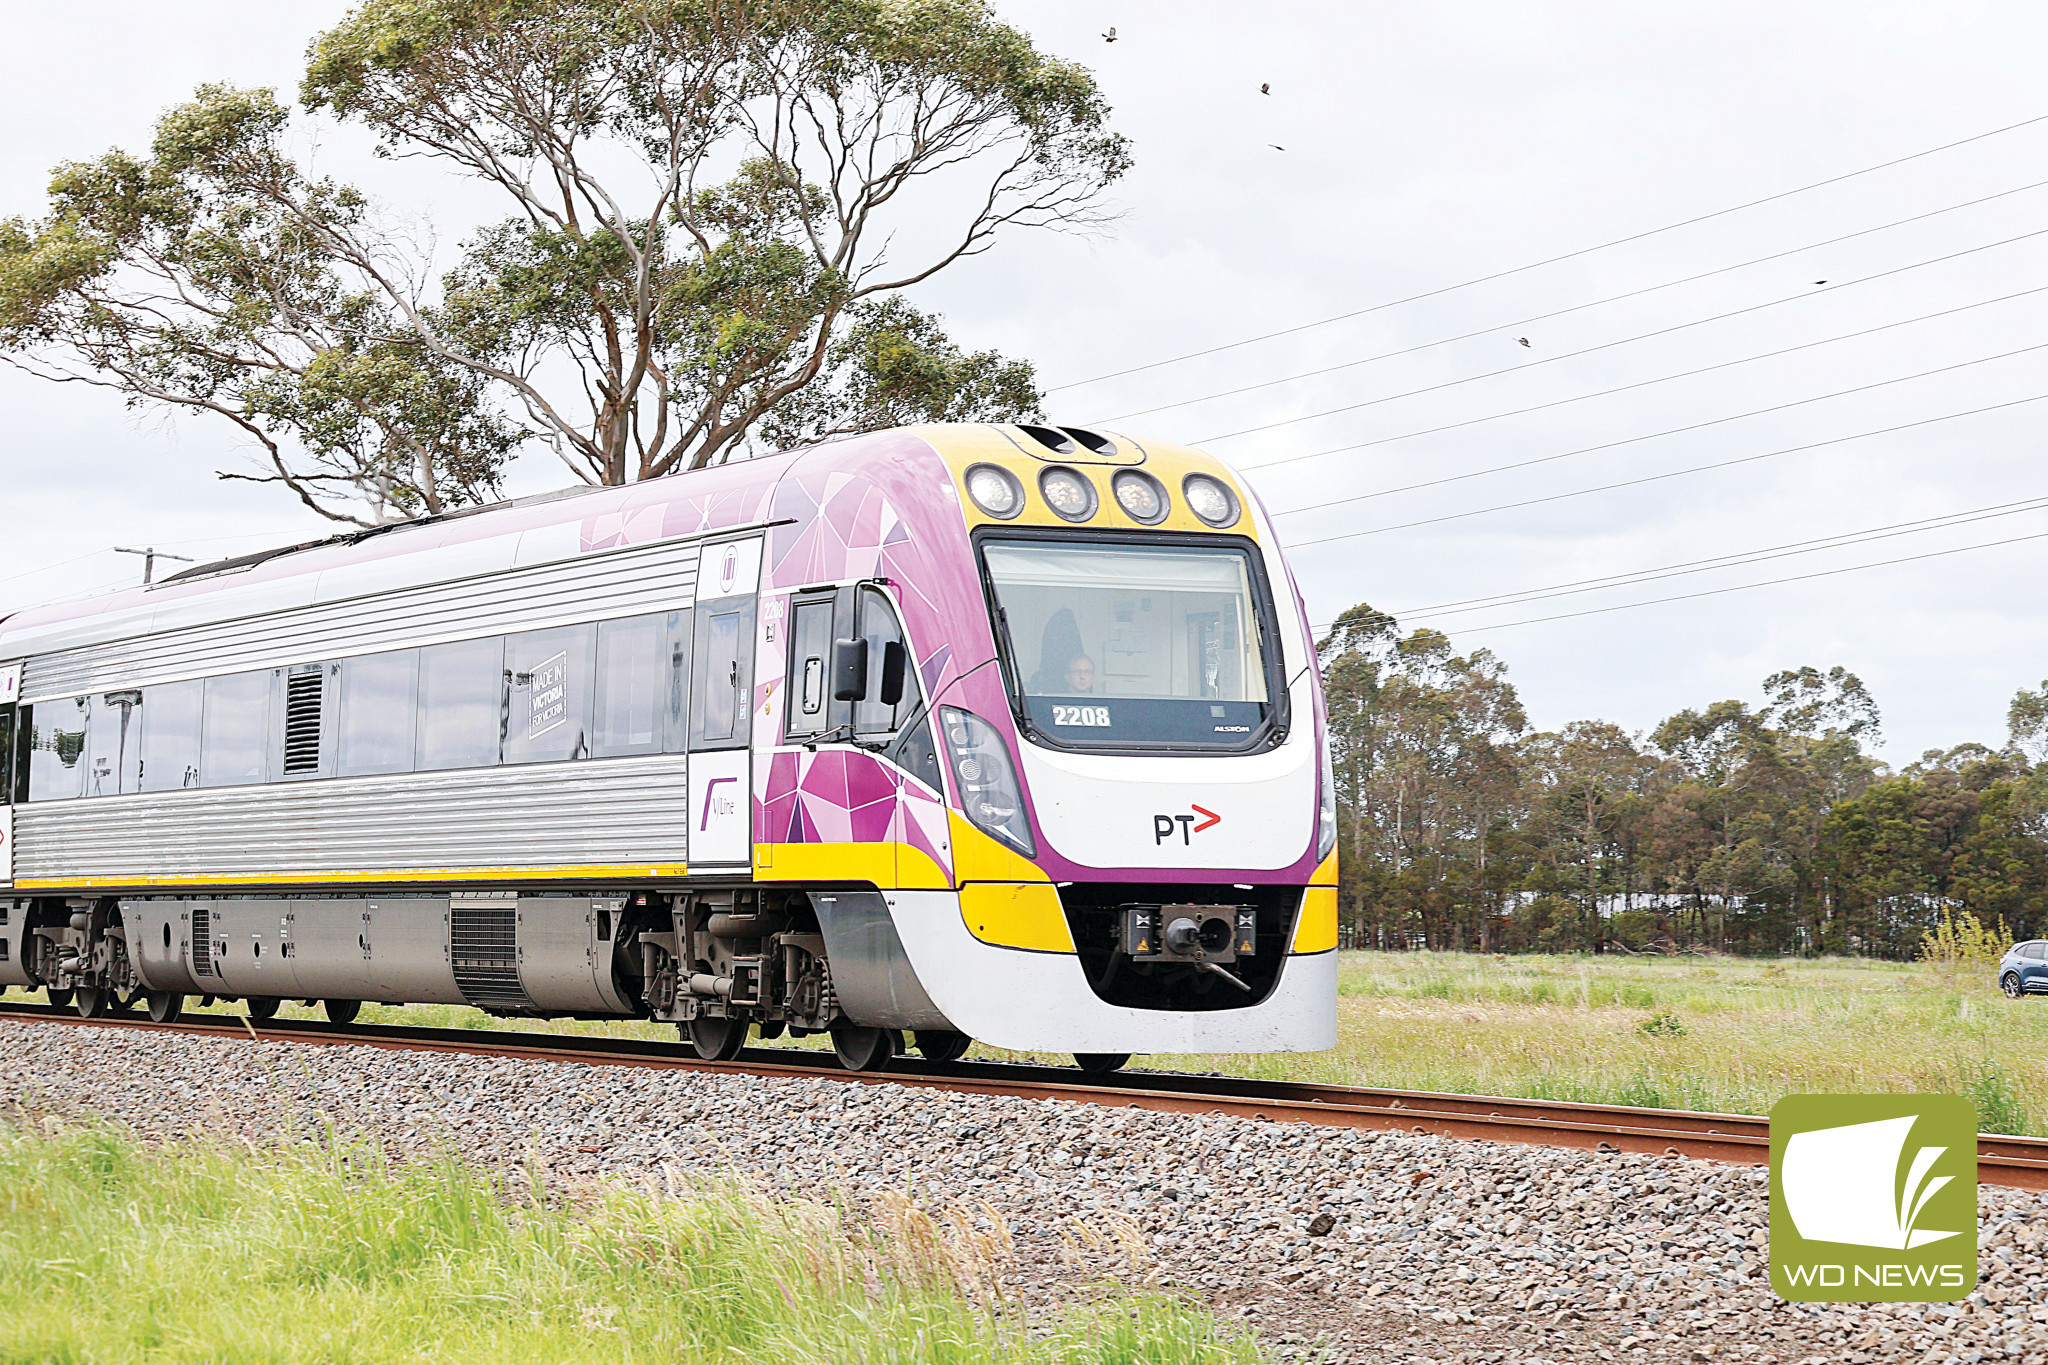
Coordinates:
1873	1198
1165	826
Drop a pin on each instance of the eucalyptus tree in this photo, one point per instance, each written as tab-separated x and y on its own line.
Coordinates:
711	209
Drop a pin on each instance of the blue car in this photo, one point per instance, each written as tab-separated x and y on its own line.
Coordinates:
2025	969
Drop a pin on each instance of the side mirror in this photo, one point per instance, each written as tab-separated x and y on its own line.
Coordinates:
849	670
895	659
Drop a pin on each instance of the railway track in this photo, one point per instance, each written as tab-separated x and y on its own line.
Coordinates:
1735	1138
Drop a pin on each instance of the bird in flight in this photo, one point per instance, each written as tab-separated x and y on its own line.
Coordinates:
1820	281
1266	88
1276	146
1110	36
1523	340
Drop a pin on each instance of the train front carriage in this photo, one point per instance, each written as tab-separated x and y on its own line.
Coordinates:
938	734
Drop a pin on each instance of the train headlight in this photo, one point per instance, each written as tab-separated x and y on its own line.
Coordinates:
990	796
1209	499
1140	496
995	491
1068	492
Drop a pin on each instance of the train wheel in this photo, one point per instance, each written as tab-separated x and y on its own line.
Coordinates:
165	1006
1101	1063
59	998
865	1049
342	1011
91	1002
942	1045
261	1006
717	1040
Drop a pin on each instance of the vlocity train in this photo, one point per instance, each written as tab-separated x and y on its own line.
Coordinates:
993	732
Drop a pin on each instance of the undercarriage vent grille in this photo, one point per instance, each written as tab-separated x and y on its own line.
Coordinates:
303	693
202	941
483	948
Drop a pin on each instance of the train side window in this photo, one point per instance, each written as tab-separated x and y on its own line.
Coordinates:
234	732
807	700
724	673
7	723
379	705
630	676
170	735
54	738
461	687
547	699
675	720
113	745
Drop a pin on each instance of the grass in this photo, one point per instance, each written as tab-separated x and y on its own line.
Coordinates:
1730	1035
111	1251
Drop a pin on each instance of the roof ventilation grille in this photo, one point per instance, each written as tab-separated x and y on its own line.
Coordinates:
1052	438
1094	440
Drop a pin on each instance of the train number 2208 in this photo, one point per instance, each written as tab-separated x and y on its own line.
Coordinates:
1080	715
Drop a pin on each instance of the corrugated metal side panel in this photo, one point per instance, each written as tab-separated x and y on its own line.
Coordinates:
587	813
645	578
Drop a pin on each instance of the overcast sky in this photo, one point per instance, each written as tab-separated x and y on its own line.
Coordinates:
1403	150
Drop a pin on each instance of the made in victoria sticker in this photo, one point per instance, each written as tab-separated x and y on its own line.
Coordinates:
548	702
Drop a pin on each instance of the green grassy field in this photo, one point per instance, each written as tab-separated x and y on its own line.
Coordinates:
1725	1034
113	1252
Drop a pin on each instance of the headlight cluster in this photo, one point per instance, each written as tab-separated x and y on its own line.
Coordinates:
989	793
1071	494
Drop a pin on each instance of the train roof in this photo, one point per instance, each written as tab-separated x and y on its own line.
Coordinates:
530	530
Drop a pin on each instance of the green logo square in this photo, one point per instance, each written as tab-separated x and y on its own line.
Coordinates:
1873	1198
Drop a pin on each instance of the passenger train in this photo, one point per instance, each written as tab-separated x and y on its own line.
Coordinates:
996	732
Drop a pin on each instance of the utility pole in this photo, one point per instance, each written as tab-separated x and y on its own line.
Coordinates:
149	559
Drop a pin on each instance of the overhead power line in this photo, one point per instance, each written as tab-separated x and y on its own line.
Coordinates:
1766	583
1669	474
1846	539
1554	260
1654	435
1561	312
1639	384
1623	341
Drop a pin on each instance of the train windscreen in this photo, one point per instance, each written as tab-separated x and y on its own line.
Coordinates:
1121	646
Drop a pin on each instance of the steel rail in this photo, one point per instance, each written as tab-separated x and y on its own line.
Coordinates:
1740	1139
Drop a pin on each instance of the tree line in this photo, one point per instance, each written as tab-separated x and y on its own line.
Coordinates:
1731	827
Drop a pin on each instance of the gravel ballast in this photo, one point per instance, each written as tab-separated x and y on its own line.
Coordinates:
1345	1245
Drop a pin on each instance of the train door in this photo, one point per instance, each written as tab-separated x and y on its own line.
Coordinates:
721	705
10	693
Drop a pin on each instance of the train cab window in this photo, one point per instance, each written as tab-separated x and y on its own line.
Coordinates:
892	712
170	735
724	673
54	737
113	744
461	689
234	747
379	720
808	704
548	702
1117	643
633	657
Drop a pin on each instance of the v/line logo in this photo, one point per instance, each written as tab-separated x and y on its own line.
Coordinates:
1873	1198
